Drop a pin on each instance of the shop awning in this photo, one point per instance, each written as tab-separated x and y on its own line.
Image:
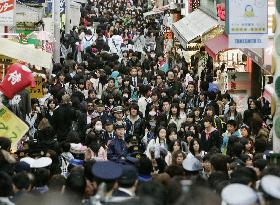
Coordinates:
193	25
216	45
25	53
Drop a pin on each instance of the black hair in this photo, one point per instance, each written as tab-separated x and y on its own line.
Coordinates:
219	162
21	181
56	183
192	143
233	123
5	143
65	146
42	176
76	183
6	185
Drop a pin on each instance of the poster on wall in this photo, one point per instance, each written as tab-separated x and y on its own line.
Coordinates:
247	23
247	17
7	9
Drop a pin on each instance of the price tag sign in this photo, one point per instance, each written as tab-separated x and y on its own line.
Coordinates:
37	92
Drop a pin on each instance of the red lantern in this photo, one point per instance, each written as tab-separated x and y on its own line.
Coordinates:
17	78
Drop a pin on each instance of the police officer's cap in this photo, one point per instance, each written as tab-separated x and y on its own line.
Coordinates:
119	125
192	164
239	194
129	175
270	184
99	103
117	109
106	170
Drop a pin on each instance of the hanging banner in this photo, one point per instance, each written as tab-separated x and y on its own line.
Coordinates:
247	17
11	126
7	12
37	92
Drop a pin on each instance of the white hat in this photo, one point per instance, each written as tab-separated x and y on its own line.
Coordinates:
271	185
239	194
192	164
37	163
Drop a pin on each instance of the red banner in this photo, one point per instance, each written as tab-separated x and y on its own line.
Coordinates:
7	5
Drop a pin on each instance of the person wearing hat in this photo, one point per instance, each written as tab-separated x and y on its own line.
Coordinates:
192	166
106	174
109	133
100	111
270	186
239	194
127	182
117	148
118	114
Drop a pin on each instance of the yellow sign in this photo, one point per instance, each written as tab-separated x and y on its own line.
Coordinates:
11	126
37	92
7	60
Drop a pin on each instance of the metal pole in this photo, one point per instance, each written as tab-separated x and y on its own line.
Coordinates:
67	17
56	18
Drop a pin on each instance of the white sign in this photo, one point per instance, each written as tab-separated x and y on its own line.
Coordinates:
7	8
247	40
247	16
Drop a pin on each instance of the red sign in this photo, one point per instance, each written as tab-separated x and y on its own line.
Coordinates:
221	11
7	5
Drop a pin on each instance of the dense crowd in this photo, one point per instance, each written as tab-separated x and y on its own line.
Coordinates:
123	121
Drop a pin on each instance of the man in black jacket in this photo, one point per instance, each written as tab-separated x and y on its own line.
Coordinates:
63	118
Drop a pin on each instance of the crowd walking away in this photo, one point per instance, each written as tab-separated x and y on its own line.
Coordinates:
124	122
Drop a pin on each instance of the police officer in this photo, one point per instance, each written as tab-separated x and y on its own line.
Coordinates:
106	174
117	148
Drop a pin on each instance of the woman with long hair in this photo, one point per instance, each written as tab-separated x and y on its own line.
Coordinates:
232	114
174	116
195	149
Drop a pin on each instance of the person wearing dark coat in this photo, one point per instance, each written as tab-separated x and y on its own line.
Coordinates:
117	148
63	118
210	137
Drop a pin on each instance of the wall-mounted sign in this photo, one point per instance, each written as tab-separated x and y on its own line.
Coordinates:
7	12
247	17
247	40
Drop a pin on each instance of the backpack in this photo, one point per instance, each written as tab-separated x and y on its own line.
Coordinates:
64	166
87	42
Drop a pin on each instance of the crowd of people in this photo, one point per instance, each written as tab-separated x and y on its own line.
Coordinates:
122	121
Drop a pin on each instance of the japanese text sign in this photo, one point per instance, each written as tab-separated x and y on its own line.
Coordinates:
11	126
247	16
37	92
7	12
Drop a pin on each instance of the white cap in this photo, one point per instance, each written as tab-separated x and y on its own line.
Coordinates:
37	163
271	185
239	194
192	164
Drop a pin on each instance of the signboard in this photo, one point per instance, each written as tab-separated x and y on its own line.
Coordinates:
7	60
33	1
62	6
11	126
247	16
7	12
247	40
168	35
37	92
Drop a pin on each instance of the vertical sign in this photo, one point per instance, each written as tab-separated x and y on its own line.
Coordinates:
62	6
7	12
37	92
247	23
